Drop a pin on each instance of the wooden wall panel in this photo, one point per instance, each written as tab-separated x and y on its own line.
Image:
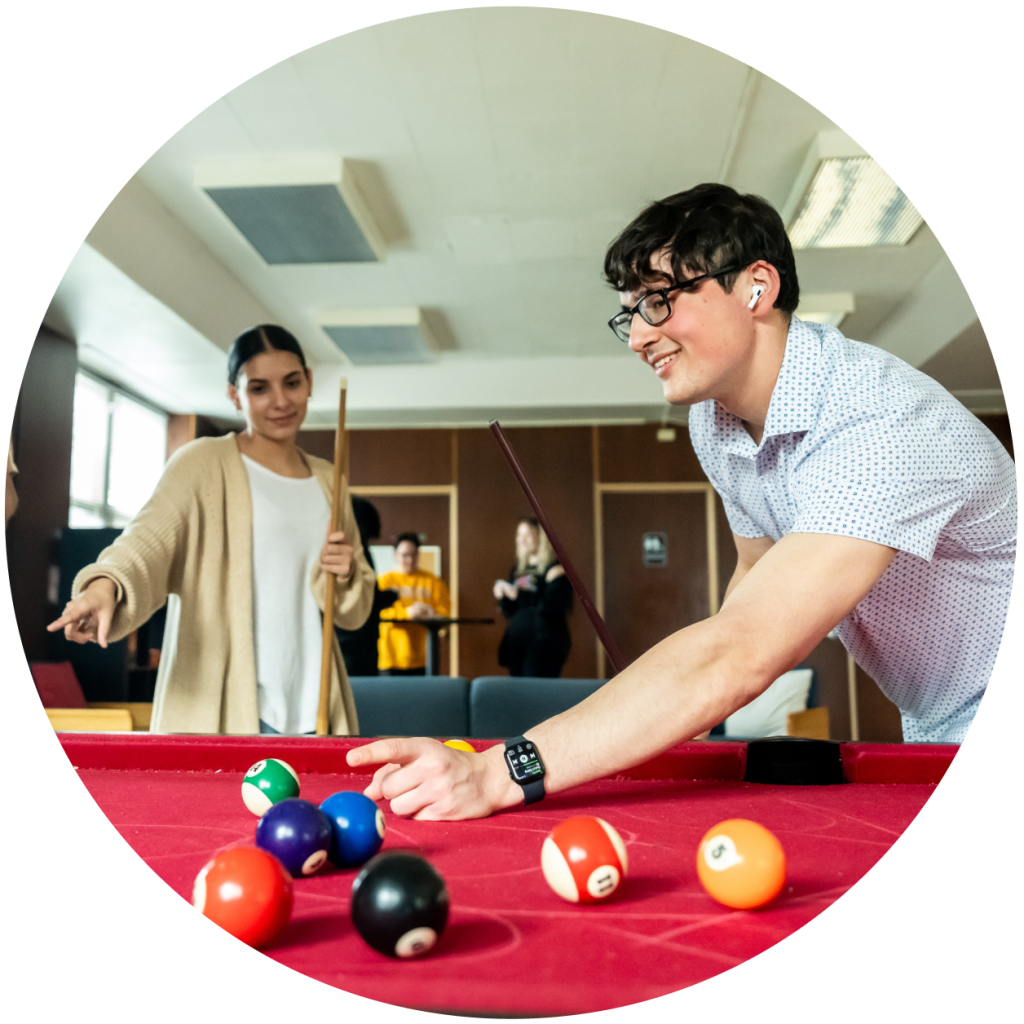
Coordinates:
318	442
181	428
828	660
389	457
400	456
558	462
643	605
880	720
633	453
727	556
42	451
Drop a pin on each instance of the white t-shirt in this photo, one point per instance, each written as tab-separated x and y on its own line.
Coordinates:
289	527
859	444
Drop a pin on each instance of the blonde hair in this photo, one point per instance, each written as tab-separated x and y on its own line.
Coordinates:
545	553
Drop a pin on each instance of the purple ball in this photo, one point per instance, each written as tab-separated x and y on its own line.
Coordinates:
297	833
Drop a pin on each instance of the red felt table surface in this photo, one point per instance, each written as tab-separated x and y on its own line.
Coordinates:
512	947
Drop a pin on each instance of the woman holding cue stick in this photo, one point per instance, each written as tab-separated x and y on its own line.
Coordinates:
246	537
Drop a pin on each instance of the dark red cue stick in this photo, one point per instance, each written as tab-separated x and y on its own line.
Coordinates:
614	654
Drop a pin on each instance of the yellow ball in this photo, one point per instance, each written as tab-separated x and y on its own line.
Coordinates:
741	864
460	745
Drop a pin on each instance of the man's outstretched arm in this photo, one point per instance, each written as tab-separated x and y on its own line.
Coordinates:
786	601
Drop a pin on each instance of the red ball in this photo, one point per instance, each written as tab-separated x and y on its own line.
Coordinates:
247	892
584	859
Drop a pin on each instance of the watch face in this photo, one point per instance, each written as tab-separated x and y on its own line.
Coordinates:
524	762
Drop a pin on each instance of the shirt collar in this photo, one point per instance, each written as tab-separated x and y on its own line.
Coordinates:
796	398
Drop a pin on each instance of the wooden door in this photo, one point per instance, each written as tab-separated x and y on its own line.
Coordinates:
644	604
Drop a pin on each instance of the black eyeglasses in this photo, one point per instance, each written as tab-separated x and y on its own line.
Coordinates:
654	307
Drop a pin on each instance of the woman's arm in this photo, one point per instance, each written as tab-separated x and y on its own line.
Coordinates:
506	593
132	578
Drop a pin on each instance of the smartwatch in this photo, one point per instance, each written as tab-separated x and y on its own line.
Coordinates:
525	767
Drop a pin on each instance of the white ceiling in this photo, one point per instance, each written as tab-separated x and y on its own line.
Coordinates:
500	150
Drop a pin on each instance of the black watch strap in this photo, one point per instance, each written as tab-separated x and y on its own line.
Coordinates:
533	788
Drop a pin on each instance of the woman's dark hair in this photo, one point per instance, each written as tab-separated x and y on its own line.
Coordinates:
706	228
412	538
367	519
265	338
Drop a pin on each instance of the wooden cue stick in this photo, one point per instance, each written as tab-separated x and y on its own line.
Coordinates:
327	653
614	654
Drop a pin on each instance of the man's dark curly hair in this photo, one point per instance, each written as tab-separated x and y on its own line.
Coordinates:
706	228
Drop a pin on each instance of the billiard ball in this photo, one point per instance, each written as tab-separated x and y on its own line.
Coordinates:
741	864
460	745
297	833
268	782
247	892
399	904
357	826
584	859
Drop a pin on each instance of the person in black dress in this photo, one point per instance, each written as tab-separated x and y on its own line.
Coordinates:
359	646
535	599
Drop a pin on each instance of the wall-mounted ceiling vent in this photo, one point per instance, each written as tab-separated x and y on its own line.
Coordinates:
381	337
842	199
296	212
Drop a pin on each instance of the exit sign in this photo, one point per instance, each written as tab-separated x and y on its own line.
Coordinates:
655	550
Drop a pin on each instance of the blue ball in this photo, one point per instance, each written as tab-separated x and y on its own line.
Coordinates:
297	833
358	827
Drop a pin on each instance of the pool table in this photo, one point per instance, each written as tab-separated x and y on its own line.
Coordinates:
513	948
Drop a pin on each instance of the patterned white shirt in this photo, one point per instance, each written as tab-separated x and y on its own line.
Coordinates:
858	443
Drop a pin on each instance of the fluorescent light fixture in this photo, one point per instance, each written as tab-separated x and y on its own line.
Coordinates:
295	211
826	307
842	199
381	337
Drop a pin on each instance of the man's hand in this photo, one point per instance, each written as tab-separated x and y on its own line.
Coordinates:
420	610
88	616
784	604
337	556
428	781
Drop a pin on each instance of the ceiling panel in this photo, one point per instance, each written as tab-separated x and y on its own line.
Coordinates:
502	149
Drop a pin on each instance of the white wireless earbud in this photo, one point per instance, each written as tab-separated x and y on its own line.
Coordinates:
755	295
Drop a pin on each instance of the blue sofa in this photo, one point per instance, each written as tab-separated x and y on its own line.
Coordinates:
489	707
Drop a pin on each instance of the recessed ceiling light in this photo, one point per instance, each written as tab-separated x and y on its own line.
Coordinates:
381	337
843	199
295	211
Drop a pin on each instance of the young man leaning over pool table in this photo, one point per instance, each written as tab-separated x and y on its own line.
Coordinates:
861	495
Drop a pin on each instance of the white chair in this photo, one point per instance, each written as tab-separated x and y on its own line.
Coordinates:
768	714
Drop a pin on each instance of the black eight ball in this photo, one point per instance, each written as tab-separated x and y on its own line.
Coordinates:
399	904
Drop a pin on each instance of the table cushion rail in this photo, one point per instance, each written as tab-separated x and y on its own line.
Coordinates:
876	763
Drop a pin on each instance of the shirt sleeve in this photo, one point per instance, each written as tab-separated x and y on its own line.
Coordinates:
145	563
739	522
396	610
441	599
895	478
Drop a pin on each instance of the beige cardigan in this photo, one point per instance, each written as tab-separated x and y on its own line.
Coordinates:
191	547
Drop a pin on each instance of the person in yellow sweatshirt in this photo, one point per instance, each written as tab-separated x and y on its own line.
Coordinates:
421	595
